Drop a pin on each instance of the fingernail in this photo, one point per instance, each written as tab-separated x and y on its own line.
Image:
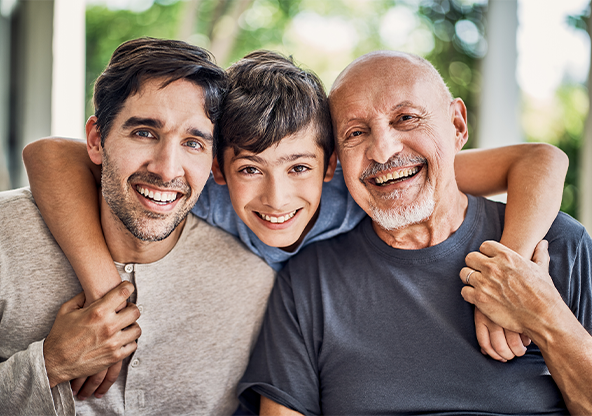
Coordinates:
98	396
74	392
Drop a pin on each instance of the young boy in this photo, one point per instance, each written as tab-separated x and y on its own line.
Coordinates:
274	161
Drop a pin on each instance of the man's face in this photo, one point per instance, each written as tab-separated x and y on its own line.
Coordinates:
157	158
277	192
395	140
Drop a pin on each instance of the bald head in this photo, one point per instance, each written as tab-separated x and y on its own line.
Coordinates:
392	66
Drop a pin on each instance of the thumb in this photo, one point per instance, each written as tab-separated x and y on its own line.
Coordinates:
77	302
541	255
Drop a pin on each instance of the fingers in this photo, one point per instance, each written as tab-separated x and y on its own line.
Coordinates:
128	315
73	304
525	340
484	338
499	343
116	296
129	336
468	275
541	255
76	384
514	341
90	385
110	378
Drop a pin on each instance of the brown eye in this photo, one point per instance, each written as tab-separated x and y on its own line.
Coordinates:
300	169
249	170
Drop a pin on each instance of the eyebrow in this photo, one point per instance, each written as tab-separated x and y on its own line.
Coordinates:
158	124
394	108
408	104
281	160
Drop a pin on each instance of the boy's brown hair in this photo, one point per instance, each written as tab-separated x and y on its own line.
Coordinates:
269	98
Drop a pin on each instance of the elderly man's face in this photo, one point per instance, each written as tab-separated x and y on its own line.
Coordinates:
396	139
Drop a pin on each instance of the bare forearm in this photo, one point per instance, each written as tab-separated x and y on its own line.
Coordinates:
535	189
271	408
567	350
532	175
63	182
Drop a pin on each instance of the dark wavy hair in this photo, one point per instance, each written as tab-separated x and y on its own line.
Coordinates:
138	60
269	98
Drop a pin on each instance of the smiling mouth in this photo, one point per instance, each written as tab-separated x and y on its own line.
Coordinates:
277	220
160	198
397	176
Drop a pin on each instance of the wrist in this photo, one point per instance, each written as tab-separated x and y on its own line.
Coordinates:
51	368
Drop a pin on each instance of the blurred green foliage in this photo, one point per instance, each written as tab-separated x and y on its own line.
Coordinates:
450	34
265	23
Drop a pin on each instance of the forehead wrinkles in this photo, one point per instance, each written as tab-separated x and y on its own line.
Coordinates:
383	75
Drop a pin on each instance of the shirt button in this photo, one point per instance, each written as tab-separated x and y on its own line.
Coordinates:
140	308
129	268
135	362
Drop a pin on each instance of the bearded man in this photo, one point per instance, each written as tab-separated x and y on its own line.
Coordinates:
201	293
373	322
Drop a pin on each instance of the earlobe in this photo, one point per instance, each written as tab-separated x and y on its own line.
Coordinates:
218	175
332	165
93	141
459	119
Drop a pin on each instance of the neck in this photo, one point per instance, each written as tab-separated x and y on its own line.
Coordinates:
449	213
126	248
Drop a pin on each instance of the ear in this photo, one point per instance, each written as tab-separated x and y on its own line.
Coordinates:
331	167
218	174
93	141
459	120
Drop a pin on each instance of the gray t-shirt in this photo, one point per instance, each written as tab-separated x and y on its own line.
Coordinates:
202	305
355	326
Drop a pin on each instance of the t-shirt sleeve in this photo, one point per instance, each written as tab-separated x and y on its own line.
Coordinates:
570	249
24	387
581	278
282	367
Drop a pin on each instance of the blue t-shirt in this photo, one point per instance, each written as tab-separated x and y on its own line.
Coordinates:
339	213
357	327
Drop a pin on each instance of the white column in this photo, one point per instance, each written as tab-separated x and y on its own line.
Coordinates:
68	78
4	95
499	121
585	174
33	77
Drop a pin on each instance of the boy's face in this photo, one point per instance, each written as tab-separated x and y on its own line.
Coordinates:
277	192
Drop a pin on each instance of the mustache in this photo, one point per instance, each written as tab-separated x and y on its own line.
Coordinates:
149	178
395	161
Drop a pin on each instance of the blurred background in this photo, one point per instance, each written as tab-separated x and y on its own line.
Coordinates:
521	66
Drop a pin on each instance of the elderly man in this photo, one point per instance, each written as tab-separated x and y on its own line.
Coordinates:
156	106
372	322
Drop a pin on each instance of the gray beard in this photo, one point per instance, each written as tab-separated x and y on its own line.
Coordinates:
397	218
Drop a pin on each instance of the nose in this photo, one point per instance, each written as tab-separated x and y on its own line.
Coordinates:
166	161
384	143
276	193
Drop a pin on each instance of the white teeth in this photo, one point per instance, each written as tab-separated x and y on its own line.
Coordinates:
278	220
403	173
157	196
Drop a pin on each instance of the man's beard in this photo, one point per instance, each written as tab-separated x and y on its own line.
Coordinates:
395	218
141	223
